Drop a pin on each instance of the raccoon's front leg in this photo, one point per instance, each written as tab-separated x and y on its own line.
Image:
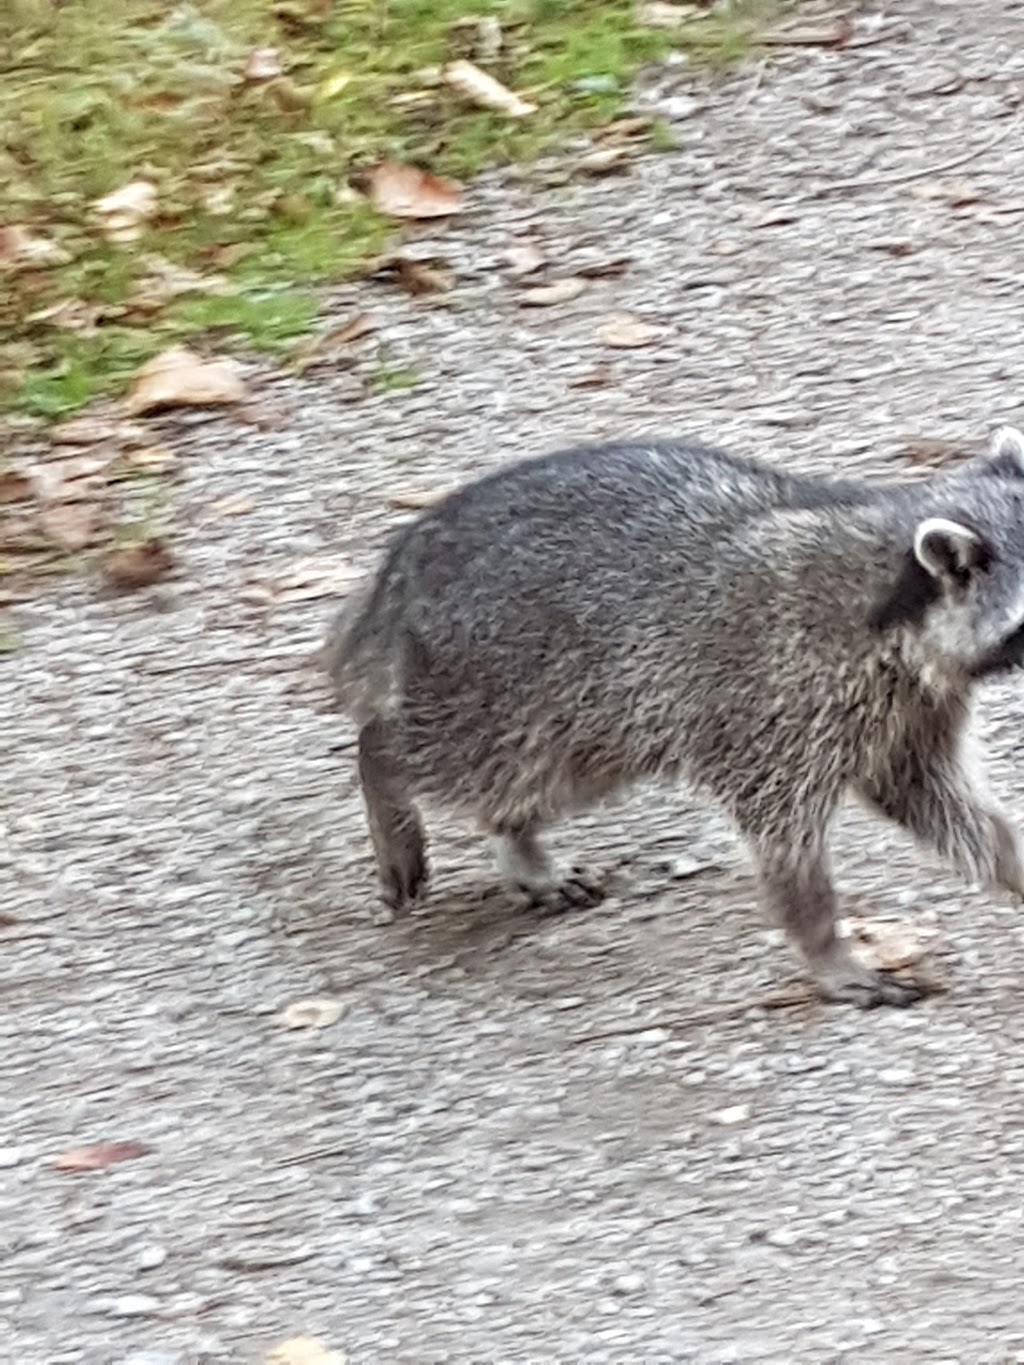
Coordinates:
934	800
798	894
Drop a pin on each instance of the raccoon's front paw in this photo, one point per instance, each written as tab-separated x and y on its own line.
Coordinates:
577	890
847	982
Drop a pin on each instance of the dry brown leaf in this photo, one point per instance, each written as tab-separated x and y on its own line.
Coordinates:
236	506
73	315
150	458
932	450
836	33
401	191
558	291
416	277
21	249
314	1013
312	578
956	193
417	498
69	480
179	377
659	14
602	270
165	281
626	333
137	566
484	91
100	1155
264	64
15	485
304	1351
124	213
71	525
623	129
524	258
87	431
602	160
889	947
596	378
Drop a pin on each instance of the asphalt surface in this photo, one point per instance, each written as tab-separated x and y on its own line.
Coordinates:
623	1135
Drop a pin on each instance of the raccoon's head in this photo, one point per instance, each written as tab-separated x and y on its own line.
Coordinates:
960	592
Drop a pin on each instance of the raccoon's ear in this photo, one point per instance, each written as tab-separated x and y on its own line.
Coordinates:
1005	457
948	550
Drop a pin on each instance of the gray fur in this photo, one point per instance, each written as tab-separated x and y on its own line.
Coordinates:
570	625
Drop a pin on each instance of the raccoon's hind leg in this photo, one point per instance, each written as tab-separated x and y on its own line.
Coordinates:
524	862
395	827
798	893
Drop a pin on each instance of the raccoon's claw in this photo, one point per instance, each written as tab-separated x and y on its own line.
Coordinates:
881	988
403	884
577	891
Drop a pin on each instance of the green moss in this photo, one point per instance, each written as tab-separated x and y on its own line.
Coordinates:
99	92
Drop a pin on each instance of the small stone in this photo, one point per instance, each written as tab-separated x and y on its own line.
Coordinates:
10	1157
896	1075
133	1306
782	1237
734	1113
682	867
151	1257
630	1283
154	1358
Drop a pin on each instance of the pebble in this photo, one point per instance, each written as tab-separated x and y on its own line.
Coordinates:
151	1257
734	1113
132	1306
154	1358
10	1157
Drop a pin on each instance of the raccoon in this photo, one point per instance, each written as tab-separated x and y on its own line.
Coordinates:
660	609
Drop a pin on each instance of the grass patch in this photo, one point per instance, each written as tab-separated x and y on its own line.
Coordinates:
254	177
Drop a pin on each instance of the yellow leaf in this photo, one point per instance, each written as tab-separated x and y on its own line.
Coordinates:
334	85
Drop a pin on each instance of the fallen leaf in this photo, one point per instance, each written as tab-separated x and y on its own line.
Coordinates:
124	213
956	193
486	92
72	479
335	338
415	275
334	84
304	1351
624	129
315	1013
100	1155
73	315
524	258
137	566
150	458
602	160
312	578
87	431
70	525
165	281
889	947
659	14
600	270
15	485
401	191
21	249
417	498
835	34
596	378
179	377
558	291
931	450
231	507
263	65
626	333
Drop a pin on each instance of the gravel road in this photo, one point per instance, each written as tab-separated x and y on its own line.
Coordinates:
524	1139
